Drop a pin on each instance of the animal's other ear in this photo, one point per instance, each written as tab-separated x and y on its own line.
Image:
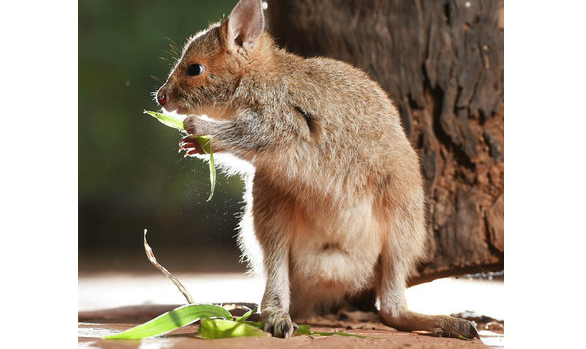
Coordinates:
245	24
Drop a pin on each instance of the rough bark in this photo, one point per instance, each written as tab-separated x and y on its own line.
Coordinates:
442	64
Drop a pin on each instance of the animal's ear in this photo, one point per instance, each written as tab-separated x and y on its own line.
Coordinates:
244	25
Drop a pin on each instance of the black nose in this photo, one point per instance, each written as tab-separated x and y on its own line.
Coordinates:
161	98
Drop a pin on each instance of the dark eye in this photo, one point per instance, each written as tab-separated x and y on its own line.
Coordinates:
195	69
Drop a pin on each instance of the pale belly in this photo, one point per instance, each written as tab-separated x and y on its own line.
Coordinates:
334	257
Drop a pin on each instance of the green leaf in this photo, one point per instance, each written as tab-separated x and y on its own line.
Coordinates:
246	315
204	141
206	144
173	319
306	329
257	324
216	328
167	119
327	334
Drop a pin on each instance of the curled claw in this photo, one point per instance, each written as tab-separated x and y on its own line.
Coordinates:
193	152
187	140
191	146
185	146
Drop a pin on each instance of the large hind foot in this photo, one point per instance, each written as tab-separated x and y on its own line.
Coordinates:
439	325
448	326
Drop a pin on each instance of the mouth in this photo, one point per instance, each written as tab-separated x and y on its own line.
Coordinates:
184	110
178	110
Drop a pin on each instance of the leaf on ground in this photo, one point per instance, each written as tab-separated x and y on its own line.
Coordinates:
246	315
173	319
257	324
306	329
218	328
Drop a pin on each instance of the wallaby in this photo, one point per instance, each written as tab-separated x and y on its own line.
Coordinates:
335	205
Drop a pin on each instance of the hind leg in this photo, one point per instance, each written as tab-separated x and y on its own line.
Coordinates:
401	250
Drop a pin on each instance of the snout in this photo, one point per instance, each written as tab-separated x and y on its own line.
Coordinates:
162	97
167	98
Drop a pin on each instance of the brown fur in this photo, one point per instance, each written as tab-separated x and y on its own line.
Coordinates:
335	205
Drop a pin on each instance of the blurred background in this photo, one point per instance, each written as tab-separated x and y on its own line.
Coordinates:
131	176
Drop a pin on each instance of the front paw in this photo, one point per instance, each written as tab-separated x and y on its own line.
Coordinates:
192	125
279	324
191	146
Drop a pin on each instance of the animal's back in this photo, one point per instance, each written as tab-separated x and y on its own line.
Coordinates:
325	188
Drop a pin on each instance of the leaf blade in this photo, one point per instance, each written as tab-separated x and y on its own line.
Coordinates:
206	144
173	319
306	330
168	120
246	315
204	141
219	328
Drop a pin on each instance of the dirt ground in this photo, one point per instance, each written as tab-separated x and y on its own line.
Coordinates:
111	302
93	325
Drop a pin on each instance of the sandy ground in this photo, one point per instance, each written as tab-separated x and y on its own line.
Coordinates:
110	303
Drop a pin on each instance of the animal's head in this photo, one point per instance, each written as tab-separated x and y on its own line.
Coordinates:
213	61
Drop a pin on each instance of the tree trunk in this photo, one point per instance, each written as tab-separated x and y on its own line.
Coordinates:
442	64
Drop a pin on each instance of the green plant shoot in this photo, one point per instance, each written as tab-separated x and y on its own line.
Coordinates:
218	328
173	319
204	141
215	322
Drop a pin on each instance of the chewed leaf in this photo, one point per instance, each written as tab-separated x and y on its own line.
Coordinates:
327	334
167	119
246	315
217	328
204	141
173	319
257	324
306	329
206	144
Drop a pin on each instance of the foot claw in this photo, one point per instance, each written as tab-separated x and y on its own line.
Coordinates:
474	332
279	324
438	332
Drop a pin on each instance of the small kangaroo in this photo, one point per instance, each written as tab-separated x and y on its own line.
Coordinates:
335	204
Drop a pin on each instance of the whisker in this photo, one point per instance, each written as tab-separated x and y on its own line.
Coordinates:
174	50
173	55
172	61
173	45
